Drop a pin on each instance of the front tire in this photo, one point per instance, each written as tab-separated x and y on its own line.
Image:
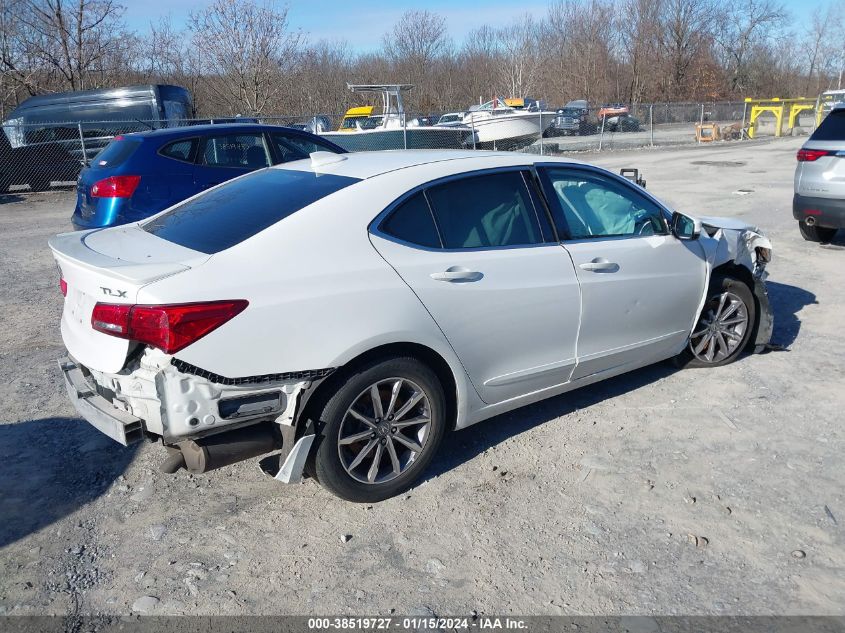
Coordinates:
816	233
380	430
724	326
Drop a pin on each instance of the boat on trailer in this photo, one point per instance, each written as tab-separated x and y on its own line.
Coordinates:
391	130
506	124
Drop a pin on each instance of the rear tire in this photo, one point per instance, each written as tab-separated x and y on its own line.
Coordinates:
379	430
816	233
724	327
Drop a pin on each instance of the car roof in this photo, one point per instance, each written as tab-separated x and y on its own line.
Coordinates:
364	165
219	128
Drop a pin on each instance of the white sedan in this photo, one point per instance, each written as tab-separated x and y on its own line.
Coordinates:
348	310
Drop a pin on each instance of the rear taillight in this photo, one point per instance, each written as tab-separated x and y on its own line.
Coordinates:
63	286
811	155
115	187
167	327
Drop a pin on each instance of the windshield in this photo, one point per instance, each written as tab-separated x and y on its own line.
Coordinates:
350	121
243	207
371	122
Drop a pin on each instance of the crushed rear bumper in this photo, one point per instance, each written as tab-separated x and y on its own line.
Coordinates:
121	426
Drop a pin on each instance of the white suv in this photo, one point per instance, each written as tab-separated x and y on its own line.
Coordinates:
819	202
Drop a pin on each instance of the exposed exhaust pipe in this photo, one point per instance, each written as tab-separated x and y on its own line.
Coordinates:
810	220
222	449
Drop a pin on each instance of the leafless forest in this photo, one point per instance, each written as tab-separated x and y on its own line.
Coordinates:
246	57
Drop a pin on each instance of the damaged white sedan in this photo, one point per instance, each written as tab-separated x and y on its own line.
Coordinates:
344	312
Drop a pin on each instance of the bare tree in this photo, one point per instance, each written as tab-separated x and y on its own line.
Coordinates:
638	28
415	46
740	26
168	56
242	56
521	56
419	38
325	68
17	71
580	39
823	40
685	33
249	52
478	64
72	39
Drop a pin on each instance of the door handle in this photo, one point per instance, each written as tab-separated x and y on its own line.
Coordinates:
457	274
600	265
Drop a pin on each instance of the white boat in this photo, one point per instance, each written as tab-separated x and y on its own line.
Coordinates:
391	129
497	125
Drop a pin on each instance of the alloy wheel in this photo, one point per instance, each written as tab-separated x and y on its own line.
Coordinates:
721	328
384	430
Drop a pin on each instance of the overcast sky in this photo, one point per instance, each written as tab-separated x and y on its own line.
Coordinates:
362	22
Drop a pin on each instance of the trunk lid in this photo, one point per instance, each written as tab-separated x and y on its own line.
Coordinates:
110	266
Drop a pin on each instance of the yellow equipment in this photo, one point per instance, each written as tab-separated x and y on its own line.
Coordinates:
791	108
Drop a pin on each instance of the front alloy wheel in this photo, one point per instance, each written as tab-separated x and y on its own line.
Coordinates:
724	326
720	329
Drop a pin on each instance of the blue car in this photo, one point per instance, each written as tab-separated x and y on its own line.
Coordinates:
138	175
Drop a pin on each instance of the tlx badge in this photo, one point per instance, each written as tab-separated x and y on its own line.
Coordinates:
113	293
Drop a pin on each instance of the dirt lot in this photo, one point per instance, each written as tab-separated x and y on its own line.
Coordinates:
659	492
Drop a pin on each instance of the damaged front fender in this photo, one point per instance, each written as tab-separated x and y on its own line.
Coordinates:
731	241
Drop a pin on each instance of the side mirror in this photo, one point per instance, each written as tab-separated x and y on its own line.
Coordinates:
684	227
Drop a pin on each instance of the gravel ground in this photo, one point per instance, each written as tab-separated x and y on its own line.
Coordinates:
658	492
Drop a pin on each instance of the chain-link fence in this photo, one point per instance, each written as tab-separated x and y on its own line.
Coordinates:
39	155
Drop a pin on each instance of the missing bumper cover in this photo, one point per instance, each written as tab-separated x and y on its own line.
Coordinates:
308	374
267	402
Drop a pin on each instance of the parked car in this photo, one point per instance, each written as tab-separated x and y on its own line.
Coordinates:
819	201
573	118
352	309
138	175
612	109
621	123
56	134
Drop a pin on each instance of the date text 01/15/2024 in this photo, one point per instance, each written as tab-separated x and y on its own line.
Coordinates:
415	623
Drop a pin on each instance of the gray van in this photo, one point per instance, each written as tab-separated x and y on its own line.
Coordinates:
50	136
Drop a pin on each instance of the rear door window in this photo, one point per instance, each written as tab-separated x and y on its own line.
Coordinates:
412	222
182	150
227	215
243	151
486	211
832	127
